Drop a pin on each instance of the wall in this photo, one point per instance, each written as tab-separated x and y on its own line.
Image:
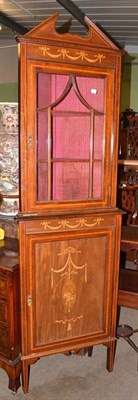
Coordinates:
8	71
129	85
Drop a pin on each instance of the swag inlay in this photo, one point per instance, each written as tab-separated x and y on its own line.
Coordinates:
64	53
79	223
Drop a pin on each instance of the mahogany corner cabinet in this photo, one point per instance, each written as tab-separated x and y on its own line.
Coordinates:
69	226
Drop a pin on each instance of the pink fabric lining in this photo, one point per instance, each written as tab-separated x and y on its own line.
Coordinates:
42	182
71	181
70	138
42	135
76	143
97	180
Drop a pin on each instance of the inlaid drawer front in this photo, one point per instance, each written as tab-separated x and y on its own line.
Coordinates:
3	311
3	284
71	223
4	341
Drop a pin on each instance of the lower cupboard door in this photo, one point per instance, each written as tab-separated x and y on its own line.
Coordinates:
69	288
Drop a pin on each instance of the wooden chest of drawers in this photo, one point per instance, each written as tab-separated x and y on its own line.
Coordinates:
10	313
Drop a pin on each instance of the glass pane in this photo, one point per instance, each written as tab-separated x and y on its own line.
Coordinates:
98	137
69	139
70	180
97	180
50	88
42	172
93	91
44	89
42	136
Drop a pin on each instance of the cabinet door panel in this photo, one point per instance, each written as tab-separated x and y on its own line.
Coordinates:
71	280
68	127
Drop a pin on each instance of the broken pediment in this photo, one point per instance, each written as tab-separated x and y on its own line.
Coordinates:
47	31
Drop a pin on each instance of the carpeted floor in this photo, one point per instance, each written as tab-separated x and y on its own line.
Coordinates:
83	378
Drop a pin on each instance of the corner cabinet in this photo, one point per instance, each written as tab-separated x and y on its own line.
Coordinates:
68	221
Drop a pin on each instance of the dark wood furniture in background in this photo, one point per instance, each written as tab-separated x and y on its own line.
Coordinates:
10	333
128	190
128	201
128	282
128	166
128	135
69	110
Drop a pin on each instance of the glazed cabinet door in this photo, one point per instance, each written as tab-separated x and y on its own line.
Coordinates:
68	141
67	280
